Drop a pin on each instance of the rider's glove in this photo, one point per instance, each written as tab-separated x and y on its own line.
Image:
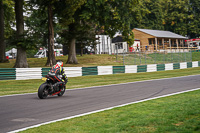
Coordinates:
66	80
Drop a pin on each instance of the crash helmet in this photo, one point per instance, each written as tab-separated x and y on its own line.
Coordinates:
60	63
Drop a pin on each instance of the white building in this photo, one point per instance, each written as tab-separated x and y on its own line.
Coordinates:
106	45
120	46
103	44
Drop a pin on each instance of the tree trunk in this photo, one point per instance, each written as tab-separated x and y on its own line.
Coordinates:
72	52
72	46
21	60
81	51
2	43
51	60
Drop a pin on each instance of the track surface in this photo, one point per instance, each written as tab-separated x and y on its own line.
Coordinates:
17	112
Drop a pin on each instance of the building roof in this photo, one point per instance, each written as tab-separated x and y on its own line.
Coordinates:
161	34
117	39
120	39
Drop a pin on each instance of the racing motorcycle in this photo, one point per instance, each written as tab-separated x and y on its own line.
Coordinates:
51	88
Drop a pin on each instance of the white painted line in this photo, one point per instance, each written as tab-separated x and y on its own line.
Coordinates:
96	111
107	85
17	95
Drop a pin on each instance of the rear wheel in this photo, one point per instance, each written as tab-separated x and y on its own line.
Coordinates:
43	91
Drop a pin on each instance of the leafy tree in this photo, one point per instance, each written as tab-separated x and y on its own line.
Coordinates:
55	8
194	19
69	19
37	24
21	60
6	20
2	43
109	17
154	17
51	57
176	16
179	16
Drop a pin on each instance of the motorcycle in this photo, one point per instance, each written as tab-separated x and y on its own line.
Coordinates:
51	88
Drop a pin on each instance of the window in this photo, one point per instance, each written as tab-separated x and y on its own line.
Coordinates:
160	42
149	42
153	41
120	45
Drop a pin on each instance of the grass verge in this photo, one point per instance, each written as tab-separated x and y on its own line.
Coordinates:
178	113
105	60
8	87
84	61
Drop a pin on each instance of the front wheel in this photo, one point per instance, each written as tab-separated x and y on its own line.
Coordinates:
43	91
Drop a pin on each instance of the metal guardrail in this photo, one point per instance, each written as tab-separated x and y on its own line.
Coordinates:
38	73
7	73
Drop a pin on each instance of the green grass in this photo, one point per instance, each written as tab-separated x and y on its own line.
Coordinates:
174	114
159	58
84	61
105	60
8	87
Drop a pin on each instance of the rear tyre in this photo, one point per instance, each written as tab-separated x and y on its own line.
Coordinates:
43	91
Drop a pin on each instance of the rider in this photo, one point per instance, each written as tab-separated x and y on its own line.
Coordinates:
58	74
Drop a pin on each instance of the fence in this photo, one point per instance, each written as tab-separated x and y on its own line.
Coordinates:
160	56
38	73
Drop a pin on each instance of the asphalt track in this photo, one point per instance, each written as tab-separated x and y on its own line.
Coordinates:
21	111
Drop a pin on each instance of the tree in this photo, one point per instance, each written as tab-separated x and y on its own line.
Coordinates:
44	6
2	42
21	60
6	20
179	16
153	19
37	24
55	9
176	16
109	16
51	56
194	19
68	14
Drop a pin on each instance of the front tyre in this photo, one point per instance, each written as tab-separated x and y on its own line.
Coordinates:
43	91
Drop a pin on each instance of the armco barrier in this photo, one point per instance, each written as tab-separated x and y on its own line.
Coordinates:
38	73
152	68
176	66
169	66
195	64
131	69
142	68
28	73
45	71
73	71
89	71
118	69
161	67
105	70
7	73
183	65
189	64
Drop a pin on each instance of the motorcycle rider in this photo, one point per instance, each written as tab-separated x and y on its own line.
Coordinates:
58	74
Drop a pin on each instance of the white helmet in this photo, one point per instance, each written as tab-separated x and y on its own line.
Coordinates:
60	63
